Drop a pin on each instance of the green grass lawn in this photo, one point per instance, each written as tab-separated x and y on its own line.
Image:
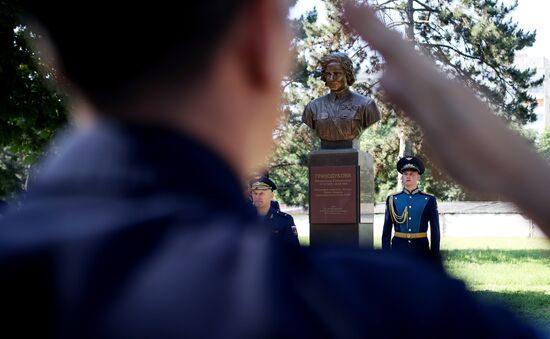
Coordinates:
514	272
511	271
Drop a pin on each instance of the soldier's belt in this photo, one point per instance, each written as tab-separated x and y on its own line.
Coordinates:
411	235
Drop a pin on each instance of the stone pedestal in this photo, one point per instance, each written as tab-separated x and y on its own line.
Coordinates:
341	197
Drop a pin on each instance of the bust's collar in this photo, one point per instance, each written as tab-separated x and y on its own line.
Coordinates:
344	94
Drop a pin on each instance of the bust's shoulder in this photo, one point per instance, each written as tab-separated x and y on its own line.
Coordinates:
317	101
359	99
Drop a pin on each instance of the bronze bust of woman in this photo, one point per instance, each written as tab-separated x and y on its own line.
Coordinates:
342	115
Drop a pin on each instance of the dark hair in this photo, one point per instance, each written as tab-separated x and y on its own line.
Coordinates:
110	51
343	60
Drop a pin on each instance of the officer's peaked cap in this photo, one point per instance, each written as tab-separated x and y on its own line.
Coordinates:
410	163
262	183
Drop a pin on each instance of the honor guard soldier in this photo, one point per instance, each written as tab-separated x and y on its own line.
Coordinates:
409	213
282	224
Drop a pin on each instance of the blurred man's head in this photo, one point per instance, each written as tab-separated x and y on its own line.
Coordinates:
212	69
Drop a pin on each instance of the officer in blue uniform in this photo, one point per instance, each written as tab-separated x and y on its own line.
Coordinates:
282	224
409	213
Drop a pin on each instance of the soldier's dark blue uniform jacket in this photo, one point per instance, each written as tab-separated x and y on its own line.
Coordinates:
282	225
410	214
136	232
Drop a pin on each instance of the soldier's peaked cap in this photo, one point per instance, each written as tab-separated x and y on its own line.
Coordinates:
262	183
410	163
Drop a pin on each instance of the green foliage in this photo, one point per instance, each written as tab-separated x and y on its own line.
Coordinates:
543	144
473	41
291	172
30	110
435	182
382	142
11	173
476	41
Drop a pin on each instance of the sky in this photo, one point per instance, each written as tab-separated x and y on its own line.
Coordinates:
530	14
534	15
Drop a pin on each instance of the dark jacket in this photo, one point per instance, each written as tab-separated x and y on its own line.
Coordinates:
281	224
143	233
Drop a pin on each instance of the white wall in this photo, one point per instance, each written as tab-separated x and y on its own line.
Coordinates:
460	225
478	225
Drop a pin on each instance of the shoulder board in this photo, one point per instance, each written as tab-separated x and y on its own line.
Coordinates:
283	214
394	194
428	194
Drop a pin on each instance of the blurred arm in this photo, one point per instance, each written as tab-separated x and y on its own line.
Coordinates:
466	139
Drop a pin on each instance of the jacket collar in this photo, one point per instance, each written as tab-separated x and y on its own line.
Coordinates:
414	191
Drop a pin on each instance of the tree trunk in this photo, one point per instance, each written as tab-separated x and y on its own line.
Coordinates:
405	149
405	145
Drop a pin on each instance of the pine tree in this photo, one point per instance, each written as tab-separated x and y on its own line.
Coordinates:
474	41
543	144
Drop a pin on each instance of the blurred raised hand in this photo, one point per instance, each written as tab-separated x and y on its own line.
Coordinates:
465	138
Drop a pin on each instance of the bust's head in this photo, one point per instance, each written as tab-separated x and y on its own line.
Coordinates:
337	71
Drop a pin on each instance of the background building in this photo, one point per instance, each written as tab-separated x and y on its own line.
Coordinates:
541	93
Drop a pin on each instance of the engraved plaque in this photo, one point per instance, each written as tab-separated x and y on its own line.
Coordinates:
333	194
